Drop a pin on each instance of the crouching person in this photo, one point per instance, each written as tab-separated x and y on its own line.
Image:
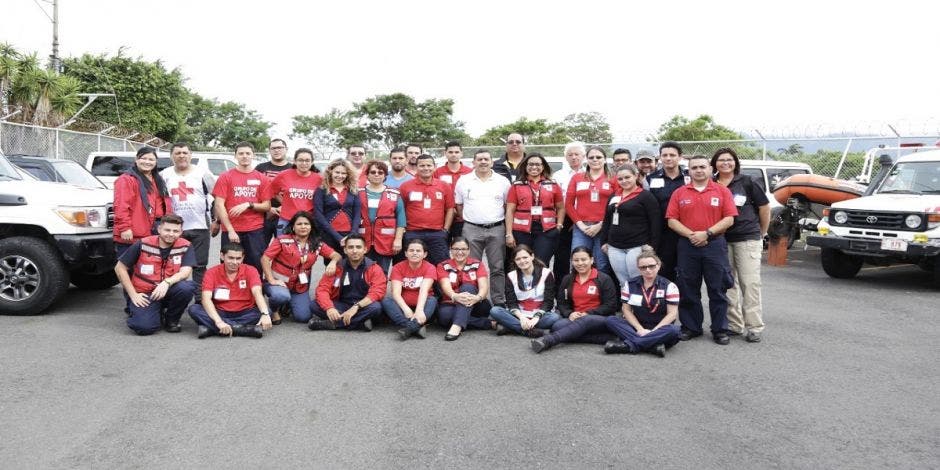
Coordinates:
351	296
232	302
154	272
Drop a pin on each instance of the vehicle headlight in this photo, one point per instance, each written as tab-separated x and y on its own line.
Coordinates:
840	217
84	216
913	221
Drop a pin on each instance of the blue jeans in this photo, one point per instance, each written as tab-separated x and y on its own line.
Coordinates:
146	320
299	302
391	308
457	314
668	335
507	319
591	329
710	263
578	238
372	310
623	262
279	228
250	316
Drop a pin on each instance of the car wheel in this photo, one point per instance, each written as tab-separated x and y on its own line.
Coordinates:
840	265
32	276
101	281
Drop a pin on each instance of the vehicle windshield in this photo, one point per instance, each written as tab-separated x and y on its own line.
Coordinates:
7	172
74	173
912	178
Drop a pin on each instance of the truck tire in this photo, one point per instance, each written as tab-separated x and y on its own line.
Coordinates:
32	276
101	281
840	265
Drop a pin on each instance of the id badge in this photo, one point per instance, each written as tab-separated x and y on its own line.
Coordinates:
536	210
592	290
373	203
146	269
636	300
615	220
657	183
302	278
595	196
447	179
427	203
452	277
739	199
178	259
221	294
415	196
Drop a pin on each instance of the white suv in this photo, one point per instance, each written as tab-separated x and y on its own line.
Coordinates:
107	166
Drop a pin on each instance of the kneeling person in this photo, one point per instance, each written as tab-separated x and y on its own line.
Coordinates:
154	272
232	302
351	297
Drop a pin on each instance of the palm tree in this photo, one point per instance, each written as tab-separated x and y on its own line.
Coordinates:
24	91
9	69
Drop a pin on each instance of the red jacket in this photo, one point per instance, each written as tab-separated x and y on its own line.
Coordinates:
129	210
150	269
381	234
286	261
329	287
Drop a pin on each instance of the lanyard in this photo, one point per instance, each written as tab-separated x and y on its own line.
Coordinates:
649	299
536	193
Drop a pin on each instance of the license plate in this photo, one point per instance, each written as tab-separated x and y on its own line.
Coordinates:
893	244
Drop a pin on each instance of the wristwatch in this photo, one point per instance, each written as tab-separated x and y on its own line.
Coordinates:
265	314
709	233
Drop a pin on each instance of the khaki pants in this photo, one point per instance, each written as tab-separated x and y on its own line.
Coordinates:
744	303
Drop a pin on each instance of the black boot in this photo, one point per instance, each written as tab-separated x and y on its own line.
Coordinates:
251	331
617	347
543	343
409	329
204	332
535	332
316	323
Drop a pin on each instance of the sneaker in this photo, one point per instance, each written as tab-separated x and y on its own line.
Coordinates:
502	330
404	333
538	345
422	332
367	325
734	333
752	337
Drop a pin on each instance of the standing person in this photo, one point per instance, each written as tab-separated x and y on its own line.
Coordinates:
351	297
464	286
481	200
662	183
190	189
650	307
398	163
745	244
294	188
412	152
586	203
574	157
140	200
507	165
699	213
429	209
383	216
287	267
450	173
355	155
277	150
621	157
534	208
336	205
632	220
232	302
242	197
530	297
154	273
585	299
646	164
411	302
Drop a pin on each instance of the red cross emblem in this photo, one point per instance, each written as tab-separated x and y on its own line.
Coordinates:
182	191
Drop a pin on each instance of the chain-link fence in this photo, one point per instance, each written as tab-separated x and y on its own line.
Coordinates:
58	143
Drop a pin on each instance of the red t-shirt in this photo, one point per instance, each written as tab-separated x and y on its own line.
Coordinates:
426	203
296	191
411	279
237	187
231	296
444	174
586	199
461	276
587	295
700	210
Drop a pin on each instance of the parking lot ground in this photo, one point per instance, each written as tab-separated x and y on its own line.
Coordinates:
846	377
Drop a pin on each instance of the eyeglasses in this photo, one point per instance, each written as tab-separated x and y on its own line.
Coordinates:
376	172
460	249
357	153
516	142
280	147
647	267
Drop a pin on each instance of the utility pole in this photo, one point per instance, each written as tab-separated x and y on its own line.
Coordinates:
55	62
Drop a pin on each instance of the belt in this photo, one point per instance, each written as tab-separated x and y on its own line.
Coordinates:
494	224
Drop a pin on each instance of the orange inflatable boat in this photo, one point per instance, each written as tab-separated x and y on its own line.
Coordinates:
818	189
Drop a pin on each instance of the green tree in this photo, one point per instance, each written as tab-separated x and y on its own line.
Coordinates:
587	127
9	71
391	120
703	127
149	97
536	132
211	125
324	133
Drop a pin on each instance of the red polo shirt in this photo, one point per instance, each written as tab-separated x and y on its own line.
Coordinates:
296	191
450	177
699	210
426	203
237	187
587	295
237	291
586	199
411	279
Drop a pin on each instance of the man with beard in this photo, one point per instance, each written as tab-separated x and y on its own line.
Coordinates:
399	165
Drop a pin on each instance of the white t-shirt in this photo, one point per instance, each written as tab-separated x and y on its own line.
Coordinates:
484	202
190	199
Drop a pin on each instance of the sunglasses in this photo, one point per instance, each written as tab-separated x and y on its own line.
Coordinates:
647	267
596	157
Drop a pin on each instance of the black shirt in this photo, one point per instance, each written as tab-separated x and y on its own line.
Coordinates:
748	197
638	222
663	190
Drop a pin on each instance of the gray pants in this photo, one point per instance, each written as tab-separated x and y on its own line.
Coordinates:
492	241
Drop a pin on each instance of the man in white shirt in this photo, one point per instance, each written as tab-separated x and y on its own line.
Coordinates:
574	155
480	198
190	189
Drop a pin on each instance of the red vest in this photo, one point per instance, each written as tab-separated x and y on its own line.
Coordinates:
381	233
522	220
288	266
144	278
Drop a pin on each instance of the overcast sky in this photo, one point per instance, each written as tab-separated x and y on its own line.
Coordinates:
784	67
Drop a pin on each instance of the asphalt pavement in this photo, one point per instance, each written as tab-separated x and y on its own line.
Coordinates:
846	377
